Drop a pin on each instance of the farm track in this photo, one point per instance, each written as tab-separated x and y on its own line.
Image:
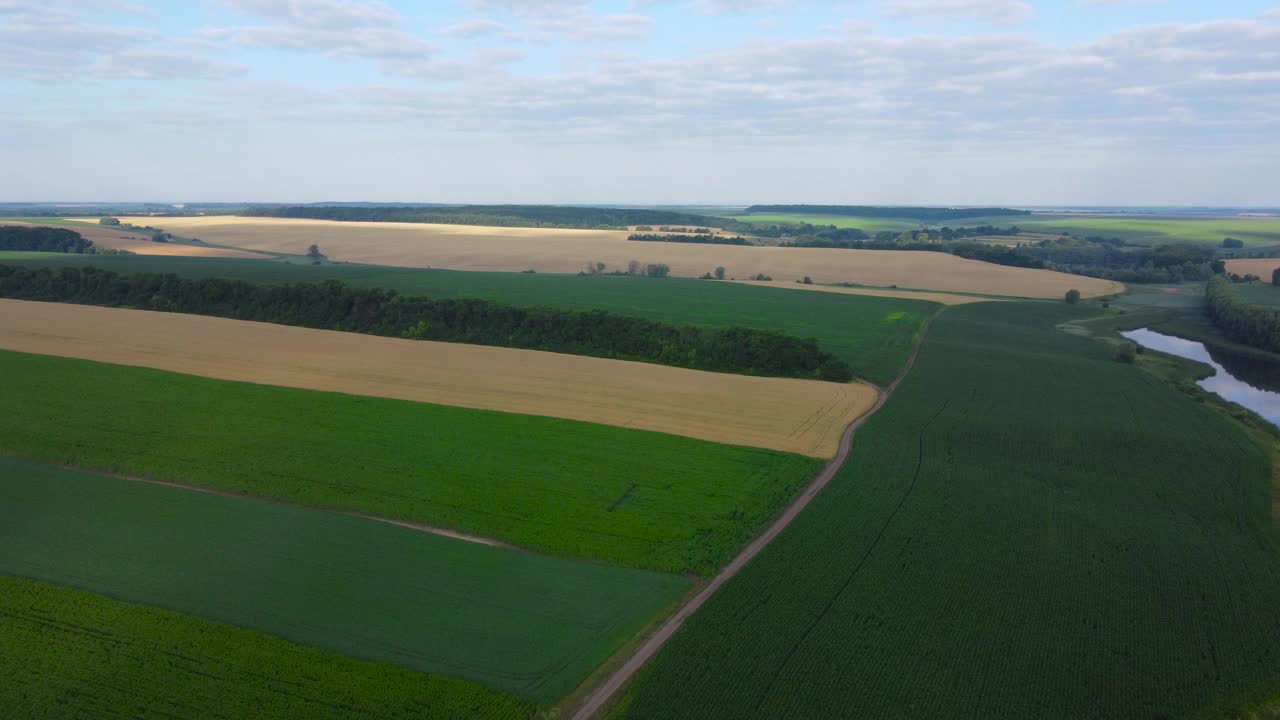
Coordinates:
602	695
430	530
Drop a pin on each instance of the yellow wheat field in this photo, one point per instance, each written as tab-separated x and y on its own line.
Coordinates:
1262	267
465	247
801	416
112	239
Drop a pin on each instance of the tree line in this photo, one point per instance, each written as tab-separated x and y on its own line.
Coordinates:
332	305
697	239
1253	325
877	211
44	239
501	216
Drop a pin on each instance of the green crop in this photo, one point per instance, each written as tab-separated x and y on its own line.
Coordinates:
68	654
1029	529
617	495
517	622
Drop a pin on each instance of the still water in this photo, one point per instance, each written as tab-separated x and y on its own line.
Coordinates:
1261	397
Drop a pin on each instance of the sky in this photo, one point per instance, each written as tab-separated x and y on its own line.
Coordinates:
965	102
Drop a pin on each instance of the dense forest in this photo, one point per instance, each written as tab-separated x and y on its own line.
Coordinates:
334	306
1111	260
43	239
502	216
698	239
1243	322
925	214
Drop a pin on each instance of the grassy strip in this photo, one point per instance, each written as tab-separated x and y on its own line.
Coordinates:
622	496
874	335
1028	529
69	654
517	622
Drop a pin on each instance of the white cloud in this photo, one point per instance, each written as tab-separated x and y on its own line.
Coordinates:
994	11
330	14
473	28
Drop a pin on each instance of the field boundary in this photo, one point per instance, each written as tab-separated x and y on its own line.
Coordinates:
603	695
419	527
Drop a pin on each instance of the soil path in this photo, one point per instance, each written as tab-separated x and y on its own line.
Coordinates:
602	695
253	498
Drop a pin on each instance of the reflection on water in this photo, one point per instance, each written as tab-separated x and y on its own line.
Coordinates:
1258	399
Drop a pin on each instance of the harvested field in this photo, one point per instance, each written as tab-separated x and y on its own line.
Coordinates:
461	247
944	298
800	416
1262	267
138	244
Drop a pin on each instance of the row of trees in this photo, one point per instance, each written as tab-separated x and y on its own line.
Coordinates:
924	214
44	239
699	239
1242	321
502	216
334	306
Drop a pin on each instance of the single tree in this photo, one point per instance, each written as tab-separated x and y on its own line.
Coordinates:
635	268
314	253
720	273
1232	243
1275	277
1072	297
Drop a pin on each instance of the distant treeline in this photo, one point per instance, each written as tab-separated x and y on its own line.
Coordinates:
1243	322
1109	259
697	239
43	239
874	211
501	215
334	306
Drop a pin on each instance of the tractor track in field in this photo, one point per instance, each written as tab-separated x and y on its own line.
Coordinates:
418	527
601	696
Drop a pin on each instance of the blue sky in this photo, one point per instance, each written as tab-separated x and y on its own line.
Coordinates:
1106	102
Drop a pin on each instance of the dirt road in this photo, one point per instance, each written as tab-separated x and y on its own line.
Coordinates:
601	696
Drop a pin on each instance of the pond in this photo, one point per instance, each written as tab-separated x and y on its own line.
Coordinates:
1262	396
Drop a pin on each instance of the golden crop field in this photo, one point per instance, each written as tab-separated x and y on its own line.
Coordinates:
137	244
801	416
465	247
1262	267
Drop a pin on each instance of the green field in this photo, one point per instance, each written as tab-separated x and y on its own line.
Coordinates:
71	655
1260	293
1029	529
1137	230
874	335
621	496
514	621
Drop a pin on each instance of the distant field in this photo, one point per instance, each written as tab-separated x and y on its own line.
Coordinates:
1262	267
926	295
622	496
874	335
106	237
1141	230
1029	529
514	621
565	251
69	655
1262	293
804	416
